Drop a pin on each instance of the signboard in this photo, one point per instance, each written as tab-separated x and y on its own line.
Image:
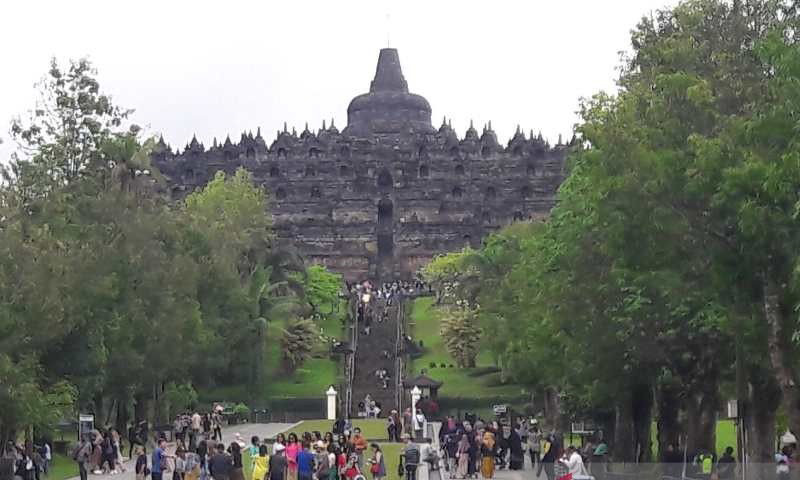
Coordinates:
500	409
733	409
85	425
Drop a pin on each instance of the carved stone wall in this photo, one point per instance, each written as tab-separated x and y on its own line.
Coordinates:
388	193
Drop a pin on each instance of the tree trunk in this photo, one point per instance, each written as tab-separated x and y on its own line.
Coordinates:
624	446
642	412
99	410
121	421
783	371
669	428
701	419
139	408
552	408
112	410
760	405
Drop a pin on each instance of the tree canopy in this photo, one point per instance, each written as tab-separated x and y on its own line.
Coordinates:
673	245
115	298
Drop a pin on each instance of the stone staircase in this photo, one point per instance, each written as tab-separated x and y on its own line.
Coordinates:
376	351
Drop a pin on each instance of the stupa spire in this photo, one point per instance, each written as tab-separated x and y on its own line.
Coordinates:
389	75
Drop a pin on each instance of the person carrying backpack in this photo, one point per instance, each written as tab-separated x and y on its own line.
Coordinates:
82	454
409	459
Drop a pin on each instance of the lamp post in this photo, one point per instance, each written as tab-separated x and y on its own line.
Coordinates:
416	394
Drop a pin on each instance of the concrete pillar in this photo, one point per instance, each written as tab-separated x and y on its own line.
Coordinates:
416	394
331	393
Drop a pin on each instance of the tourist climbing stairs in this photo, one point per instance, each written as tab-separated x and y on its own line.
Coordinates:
376	351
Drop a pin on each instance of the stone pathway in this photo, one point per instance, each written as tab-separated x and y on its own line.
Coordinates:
247	430
527	474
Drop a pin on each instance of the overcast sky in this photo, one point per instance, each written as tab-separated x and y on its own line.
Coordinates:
218	68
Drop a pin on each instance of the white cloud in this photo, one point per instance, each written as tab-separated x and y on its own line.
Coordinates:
214	68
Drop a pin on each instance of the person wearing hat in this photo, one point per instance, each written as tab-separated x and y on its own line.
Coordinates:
321	460
278	464
534	443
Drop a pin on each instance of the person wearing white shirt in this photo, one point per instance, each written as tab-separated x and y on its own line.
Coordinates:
420	425
574	462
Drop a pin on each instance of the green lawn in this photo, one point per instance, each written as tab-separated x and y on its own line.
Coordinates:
458	382
62	467
313	378
726	436
391	455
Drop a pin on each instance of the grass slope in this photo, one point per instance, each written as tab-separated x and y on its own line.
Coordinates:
458	382
311	380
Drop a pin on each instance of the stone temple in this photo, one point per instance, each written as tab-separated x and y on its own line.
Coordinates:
390	191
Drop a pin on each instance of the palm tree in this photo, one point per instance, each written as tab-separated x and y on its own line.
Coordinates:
299	339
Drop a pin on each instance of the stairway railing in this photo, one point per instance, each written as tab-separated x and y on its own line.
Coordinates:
399	361
350	360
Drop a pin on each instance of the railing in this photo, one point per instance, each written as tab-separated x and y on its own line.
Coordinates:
399	362
350	361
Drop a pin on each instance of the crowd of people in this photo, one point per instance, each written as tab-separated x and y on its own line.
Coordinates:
475	448
188	427
391	290
26	461
200	454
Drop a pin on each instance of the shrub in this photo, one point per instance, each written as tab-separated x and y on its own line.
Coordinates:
241	409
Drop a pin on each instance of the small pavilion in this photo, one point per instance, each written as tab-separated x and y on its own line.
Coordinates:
430	387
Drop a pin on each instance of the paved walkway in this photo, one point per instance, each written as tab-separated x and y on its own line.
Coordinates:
269	430
527	474
247	430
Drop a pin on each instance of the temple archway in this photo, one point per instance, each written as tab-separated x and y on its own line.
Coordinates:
385	238
385	180
385	213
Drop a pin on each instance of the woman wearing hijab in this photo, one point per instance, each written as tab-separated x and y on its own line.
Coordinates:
488	454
